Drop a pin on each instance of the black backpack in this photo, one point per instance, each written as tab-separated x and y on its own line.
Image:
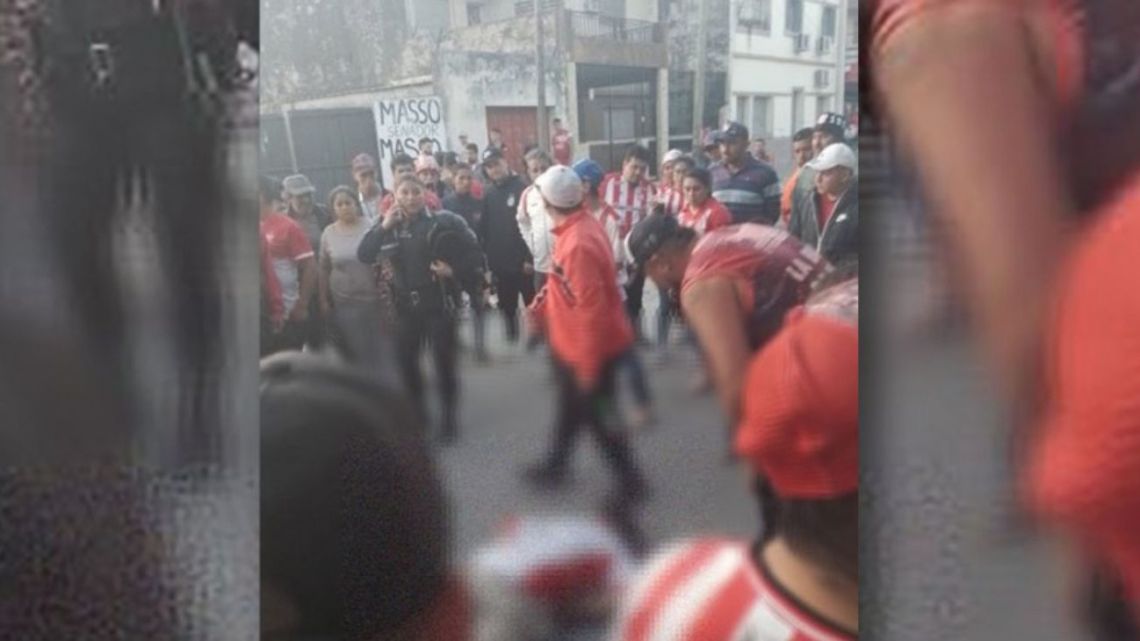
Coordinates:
452	241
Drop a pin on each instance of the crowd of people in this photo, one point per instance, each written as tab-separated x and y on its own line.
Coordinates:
769	303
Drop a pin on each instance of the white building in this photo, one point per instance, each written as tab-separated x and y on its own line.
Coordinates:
786	65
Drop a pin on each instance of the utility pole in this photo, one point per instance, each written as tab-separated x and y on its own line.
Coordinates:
699	75
540	72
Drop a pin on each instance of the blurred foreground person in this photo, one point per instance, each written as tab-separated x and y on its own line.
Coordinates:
347	477
1083	472
799	435
354	521
1039	113
735	284
580	311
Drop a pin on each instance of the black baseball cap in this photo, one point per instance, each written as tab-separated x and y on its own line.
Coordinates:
832	124
733	130
491	153
648	236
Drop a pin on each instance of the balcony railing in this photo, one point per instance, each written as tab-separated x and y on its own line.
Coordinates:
600	27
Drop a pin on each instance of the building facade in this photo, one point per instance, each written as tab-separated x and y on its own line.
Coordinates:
616	72
788	65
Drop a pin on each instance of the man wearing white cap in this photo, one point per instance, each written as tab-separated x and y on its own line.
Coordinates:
671	198
828	219
581	311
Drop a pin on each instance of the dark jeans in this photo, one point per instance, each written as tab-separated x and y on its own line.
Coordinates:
630	361
437	328
510	286
666	312
479	322
633	291
290	338
596	411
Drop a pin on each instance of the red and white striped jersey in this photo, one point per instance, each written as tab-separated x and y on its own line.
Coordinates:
711	590
631	201
672	199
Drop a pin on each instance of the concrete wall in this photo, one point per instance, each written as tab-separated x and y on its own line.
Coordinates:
767	64
312	49
471	82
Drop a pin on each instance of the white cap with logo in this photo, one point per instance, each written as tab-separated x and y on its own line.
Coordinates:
561	187
834	155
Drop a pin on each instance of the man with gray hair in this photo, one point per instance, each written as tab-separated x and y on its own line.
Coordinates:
828	219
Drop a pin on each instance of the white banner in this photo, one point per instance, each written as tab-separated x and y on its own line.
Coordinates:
400	124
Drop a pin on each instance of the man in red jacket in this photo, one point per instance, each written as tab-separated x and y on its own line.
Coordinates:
585	322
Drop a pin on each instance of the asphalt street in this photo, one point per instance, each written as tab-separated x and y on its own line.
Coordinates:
507	418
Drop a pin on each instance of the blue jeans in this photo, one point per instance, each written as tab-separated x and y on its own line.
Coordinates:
631	362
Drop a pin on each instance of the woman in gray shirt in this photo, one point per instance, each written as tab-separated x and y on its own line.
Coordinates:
350	298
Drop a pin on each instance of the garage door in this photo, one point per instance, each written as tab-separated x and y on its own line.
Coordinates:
519	130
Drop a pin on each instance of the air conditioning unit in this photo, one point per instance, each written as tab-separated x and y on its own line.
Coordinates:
825	44
802	42
822	78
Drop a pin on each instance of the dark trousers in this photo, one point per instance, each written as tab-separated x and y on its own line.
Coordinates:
666	312
633	291
630	361
290	338
437	328
510	286
596	411
479	322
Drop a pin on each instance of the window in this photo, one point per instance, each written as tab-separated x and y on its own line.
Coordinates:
761	116
797	108
827	26
794	18
624	123
474	16
822	105
741	109
526	7
755	15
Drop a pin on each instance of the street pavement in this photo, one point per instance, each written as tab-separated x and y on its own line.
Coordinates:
507	416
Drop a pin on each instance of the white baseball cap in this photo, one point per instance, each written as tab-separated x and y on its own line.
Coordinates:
561	187
834	155
672	155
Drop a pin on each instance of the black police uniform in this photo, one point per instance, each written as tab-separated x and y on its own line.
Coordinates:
424	309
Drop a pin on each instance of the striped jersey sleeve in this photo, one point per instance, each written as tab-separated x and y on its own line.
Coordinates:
710	590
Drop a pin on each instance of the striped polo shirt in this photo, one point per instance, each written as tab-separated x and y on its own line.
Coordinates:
712	590
751	193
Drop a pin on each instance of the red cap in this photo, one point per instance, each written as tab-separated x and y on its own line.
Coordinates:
800	422
1084	473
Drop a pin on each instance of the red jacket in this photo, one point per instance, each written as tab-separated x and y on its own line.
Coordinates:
580	306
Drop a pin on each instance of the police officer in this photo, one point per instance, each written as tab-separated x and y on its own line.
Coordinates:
426	295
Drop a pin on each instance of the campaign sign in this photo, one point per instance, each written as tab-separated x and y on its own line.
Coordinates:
400	124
